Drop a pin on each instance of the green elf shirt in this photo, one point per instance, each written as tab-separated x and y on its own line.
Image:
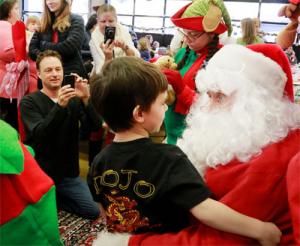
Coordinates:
175	122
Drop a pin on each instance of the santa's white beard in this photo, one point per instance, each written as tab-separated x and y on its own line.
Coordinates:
212	139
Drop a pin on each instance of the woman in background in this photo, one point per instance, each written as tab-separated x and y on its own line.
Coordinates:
63	32
14	74
202	42
122	44
249	33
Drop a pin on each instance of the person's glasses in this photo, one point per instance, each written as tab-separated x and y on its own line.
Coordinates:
191	35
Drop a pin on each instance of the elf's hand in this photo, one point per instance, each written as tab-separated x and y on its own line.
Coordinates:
174	78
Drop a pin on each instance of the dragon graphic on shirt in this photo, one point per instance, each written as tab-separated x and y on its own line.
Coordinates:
122	215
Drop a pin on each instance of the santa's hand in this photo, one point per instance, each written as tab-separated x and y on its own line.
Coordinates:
270	234
174	78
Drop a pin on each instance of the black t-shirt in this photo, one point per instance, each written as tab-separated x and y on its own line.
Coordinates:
145	186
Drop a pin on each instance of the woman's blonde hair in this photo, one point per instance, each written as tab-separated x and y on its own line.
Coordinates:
248	30
106	8
60	22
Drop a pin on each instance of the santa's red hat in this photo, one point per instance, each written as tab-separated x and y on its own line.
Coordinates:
204	15
263	64
275	53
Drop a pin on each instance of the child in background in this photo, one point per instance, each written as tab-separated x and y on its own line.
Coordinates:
249	33
33	24
143	47
155	184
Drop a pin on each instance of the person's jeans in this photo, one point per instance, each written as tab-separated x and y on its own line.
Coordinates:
73	195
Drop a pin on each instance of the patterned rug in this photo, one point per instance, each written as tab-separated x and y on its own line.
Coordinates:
75	230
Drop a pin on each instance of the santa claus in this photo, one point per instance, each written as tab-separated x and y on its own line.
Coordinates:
243	135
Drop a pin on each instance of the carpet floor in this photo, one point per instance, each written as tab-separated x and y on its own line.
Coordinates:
75	230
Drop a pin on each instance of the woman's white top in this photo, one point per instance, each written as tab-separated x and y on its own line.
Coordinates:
122	34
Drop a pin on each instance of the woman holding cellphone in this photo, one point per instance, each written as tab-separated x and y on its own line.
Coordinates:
122	44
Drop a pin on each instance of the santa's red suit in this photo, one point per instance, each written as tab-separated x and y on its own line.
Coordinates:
258	188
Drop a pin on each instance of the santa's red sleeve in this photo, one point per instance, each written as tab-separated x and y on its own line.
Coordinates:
293	185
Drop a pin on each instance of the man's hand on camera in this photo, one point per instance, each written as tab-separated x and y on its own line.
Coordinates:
82	89
65	93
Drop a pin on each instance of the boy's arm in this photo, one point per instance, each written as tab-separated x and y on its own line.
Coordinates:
221	217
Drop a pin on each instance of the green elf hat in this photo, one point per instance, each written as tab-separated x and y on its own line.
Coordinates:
204	15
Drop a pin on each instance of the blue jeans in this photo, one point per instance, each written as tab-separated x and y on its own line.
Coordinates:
73	195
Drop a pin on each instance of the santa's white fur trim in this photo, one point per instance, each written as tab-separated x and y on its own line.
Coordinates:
111	239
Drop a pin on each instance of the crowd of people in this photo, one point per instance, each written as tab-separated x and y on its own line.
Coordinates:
227	170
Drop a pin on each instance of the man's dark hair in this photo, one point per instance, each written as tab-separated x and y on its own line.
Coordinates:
47	53
124	83
5	8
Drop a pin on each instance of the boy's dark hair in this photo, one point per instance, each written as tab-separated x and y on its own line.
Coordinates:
123	84
47	53
5	8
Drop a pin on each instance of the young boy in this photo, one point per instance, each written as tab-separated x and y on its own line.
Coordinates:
145	186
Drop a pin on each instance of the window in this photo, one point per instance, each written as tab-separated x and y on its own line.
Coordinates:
146	7
123	6
148	23
126	20
240	10
269	12
174	5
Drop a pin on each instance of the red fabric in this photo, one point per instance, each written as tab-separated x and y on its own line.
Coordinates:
154	59
55	37
19	40
186	98
294	1
293	174
17	191
174	78
193	23
258	188
274	52
21	126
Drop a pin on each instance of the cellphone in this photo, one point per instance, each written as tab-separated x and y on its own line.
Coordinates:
109	34
69	79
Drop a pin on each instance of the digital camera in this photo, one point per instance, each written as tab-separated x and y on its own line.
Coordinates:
109	34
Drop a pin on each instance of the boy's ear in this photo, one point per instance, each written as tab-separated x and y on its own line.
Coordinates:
138	115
